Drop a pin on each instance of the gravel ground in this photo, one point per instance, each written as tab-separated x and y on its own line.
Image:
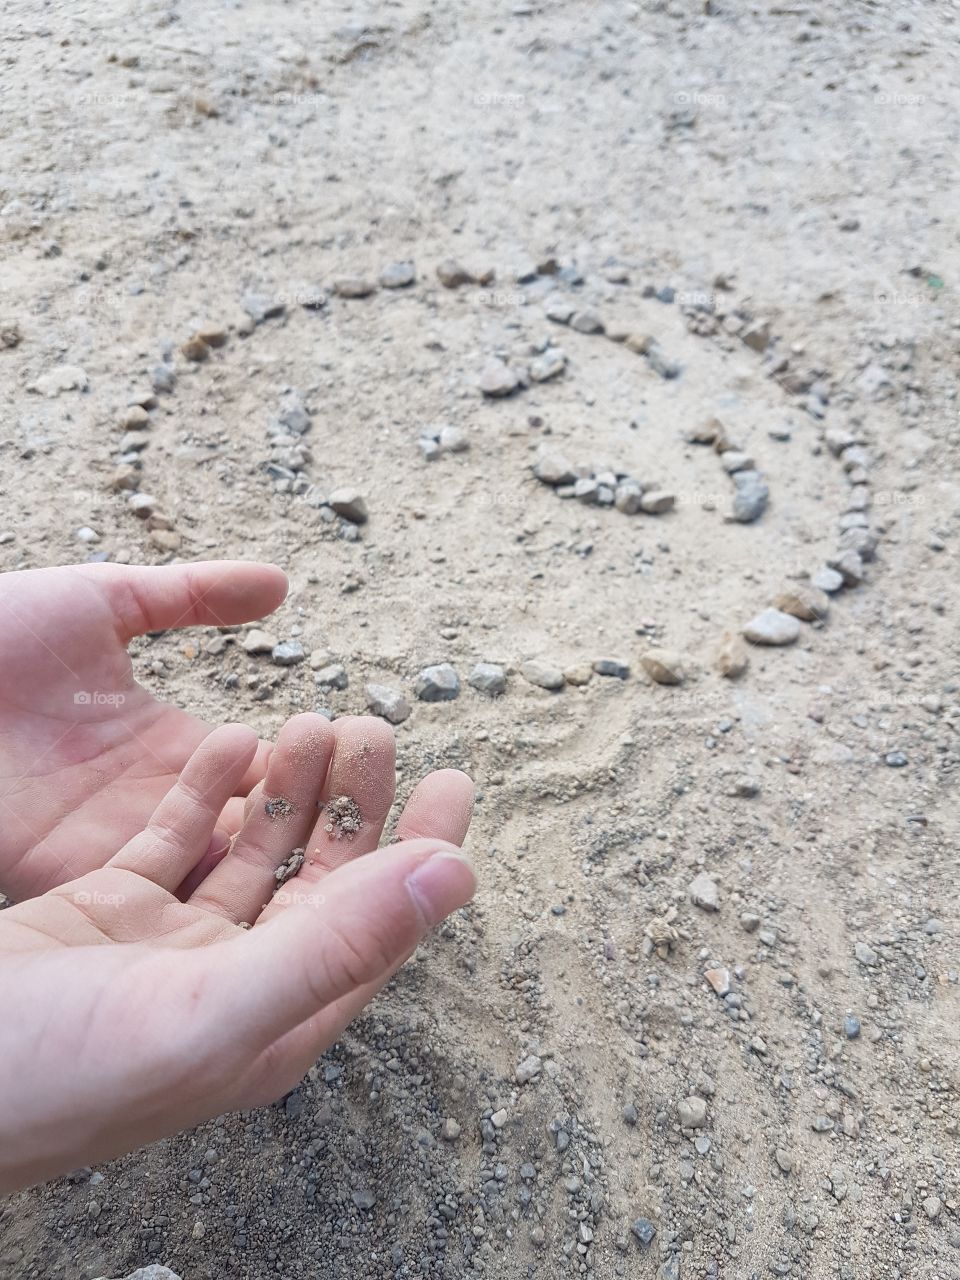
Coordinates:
548	348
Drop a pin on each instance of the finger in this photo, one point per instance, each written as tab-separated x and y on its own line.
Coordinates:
178	834
280	821
217	849
215	593
254	774
374	912
439	808
363	771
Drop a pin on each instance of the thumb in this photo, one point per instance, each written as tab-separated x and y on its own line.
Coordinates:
352	928
206	593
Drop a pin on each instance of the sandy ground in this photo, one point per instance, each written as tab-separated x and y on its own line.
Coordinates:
785	173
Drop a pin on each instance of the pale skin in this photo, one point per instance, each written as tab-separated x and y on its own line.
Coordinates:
135	1001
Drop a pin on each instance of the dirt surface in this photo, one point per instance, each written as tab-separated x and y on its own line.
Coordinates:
769	193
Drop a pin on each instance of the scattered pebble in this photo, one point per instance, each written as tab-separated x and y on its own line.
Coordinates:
612	667
486	677
542	674
719	980
851	1027
388	703
825	579
703	892
644	1230
498	379
805	602
732	656
438	683
332	676
353	287
750	497
529	1069
663	666
257	641
288	653
772	627
344	818
398	275
692	1112
350	504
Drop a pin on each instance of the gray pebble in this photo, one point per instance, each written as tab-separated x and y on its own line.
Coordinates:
692	1112
851	1027
398	275
751	496
644	1230
288	653
333	676
439	683
486	677
704	893
388	703
542	675
612	667
772	627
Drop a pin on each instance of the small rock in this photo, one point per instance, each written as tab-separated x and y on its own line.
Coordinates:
745	787
166	539
134	418
452	275
553	468
388	703
757	335
288	653
630	1114
438	683
703	892
453	440
932	1207
529	1069
213	335
865	954
257	641
771	627
896	760
628	497
332	676
660	363
850	567
851	1027
260	307
639	343
195	349
751	496
398	275
784	1160
559	311
486	677
805	602
549	365
353	287
719	979
364	1199
498	379
644	1230
579	674
749	922
142	505
349	504
732	657
451	1130
692	1112
163	378
656	501
542	675
664	666
587	322
67	377
827	580
612	667
733	460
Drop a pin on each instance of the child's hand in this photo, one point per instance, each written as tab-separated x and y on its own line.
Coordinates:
128	1014
86	752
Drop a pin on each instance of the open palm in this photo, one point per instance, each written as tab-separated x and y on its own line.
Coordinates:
85	751
169	1012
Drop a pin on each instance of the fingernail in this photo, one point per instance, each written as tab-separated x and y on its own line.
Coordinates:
441	884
